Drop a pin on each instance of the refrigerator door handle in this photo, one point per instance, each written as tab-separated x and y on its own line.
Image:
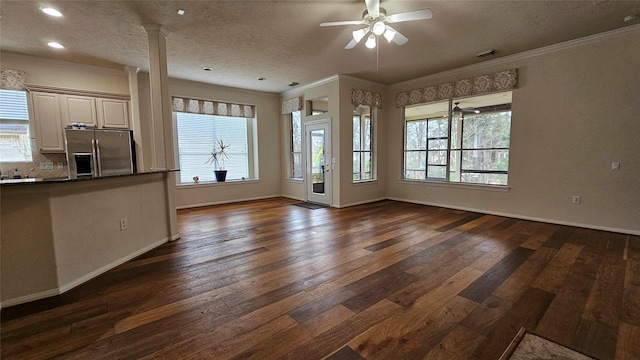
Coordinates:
96	156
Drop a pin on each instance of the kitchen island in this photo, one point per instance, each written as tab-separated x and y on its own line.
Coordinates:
59	233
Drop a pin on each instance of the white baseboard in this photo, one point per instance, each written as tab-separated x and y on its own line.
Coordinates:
361	202
81	280
522	217
29	298
225	202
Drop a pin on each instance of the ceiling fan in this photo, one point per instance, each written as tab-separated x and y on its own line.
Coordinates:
377	22
457	111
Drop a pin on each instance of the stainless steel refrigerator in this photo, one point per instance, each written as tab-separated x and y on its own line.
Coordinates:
99	152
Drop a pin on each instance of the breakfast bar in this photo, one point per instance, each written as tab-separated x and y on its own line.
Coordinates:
59	233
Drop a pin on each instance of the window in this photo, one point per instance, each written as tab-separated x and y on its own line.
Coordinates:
362	144
15	140
468	146
296	145
196	135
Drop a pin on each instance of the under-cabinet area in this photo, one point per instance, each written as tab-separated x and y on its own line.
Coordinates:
52	112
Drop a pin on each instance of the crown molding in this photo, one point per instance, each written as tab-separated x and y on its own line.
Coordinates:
515	57
300	89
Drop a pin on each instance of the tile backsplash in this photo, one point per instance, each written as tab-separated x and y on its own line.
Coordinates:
33	170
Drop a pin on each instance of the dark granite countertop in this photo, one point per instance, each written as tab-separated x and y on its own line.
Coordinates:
31	181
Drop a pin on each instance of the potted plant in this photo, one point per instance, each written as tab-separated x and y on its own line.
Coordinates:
218	156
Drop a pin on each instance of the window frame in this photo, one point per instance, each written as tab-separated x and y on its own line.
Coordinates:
459	148
251	138
26	148
292	152
363	119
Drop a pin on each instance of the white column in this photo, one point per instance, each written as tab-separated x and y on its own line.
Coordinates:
161	123
136	125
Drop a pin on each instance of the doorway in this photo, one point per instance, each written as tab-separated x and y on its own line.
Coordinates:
318	161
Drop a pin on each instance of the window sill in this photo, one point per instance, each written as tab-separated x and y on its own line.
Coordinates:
215	183
364	182
469	186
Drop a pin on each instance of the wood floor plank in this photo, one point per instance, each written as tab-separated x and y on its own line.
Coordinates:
627	346
267	279
526	312
482	288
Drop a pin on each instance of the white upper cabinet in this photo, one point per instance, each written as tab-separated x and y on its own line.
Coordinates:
78	109
49	127
113	113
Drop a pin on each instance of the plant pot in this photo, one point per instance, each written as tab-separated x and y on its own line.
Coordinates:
221	175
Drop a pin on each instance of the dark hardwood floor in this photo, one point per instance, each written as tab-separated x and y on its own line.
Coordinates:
388	280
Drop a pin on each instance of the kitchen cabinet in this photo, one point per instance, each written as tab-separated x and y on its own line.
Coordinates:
113	113
48	121
55	111
78	109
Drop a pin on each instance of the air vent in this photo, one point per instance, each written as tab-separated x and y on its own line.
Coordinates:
486	53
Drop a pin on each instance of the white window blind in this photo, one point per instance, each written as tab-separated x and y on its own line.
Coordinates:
197	135
15	141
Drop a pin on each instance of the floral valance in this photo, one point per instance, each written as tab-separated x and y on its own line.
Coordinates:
211	107
11	79
365	97
292	105
483	84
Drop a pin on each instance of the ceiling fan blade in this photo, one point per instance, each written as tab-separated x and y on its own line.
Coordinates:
410	16
373	7
351	44
338	23
393	35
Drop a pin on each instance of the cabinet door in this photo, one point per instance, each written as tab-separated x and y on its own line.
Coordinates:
49	128
78	109
113	113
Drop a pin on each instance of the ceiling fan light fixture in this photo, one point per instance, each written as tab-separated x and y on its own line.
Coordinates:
378	28
456	111
390	34
371	42
359	34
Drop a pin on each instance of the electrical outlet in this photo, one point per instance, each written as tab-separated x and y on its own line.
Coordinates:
123	224
576	199
46	165
615	166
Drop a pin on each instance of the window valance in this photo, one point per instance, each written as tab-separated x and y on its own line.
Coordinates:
365	97
483	84
292	105
11	79
211	107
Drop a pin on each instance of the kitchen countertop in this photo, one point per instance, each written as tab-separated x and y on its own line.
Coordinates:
30	181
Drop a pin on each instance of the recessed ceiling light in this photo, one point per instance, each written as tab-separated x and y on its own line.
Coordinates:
180	12
51	11
262	78
207	68
55	45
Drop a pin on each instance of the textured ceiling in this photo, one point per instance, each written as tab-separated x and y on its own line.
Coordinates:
282	40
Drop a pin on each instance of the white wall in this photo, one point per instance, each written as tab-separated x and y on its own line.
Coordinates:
67	75
574	113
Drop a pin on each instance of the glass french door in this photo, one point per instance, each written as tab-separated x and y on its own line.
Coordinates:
318	168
